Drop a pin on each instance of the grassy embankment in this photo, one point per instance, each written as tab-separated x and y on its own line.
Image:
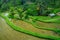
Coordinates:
47	19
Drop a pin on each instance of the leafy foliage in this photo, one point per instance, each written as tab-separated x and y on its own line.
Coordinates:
25	8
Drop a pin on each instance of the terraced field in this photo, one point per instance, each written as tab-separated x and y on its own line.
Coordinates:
7	33
30	27
29	19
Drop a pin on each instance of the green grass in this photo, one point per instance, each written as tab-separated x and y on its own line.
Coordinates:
29	32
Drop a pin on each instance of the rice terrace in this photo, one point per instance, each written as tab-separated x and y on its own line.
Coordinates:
29	19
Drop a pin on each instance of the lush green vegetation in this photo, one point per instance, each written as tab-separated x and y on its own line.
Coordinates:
36	7
29	32
30	11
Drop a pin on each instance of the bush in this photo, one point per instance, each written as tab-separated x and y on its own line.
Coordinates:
56	10
31	9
